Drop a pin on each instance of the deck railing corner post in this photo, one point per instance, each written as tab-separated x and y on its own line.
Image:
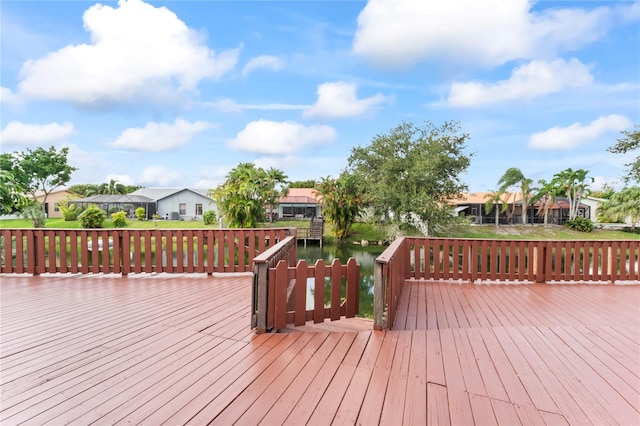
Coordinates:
259	314
378	296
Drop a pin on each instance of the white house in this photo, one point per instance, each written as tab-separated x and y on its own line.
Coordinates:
593	204
167	203
184	203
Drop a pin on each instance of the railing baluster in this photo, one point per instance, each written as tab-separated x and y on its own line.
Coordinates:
318	291
300	292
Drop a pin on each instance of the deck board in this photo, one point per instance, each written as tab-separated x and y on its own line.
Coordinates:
177	349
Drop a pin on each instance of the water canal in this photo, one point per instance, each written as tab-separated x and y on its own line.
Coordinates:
364	255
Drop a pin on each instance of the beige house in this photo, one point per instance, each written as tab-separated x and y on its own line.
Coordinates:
300	203
473	204
51	207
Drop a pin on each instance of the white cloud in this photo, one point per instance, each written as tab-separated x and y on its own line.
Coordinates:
274	137
338	99
123	179
20	133
231	106
160	176
7	97
263	61
396	34
599	183
578	134
156	137
137	52
212	176
283	163
225	105
535	79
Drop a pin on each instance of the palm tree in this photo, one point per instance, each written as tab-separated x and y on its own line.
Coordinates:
545	194
574	185
246	193
513	177
341	202
112	188
624	204
275	178
493	198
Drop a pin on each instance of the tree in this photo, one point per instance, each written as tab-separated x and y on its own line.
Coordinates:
546	195
573	183
273	180
630	142
309	183
11	194
514	177
84	189
112	188
39	170
605	192
494	198
247	192
622	205
341	202
412	173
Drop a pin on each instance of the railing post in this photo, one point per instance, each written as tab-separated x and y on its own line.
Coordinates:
378	296
259	314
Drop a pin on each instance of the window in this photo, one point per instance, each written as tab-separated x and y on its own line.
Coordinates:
198	209
182	208
56	207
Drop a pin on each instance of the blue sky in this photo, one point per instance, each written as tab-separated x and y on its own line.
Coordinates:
175	94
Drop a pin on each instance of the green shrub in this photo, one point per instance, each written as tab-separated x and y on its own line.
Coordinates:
35	213
70	212
581	224
119	219
141	213
209	217
92	217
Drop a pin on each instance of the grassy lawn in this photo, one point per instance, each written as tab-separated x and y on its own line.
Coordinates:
537	232
365	231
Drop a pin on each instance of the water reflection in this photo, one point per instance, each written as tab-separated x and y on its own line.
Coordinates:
365	257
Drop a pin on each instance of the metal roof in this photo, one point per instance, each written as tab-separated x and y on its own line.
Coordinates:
114	199
160	193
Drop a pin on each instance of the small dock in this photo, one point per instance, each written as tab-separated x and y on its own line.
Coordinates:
313	233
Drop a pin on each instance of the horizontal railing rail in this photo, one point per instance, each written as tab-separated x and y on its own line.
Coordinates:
498	261
125	251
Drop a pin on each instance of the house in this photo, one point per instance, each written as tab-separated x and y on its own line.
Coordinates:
167	203
183	204
593	204
52	205
473	205
300	203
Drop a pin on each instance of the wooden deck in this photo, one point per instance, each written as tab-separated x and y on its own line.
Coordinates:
176	349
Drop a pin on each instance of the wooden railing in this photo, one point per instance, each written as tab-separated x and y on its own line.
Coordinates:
389	276
285	250
124	251
498	261
288	293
